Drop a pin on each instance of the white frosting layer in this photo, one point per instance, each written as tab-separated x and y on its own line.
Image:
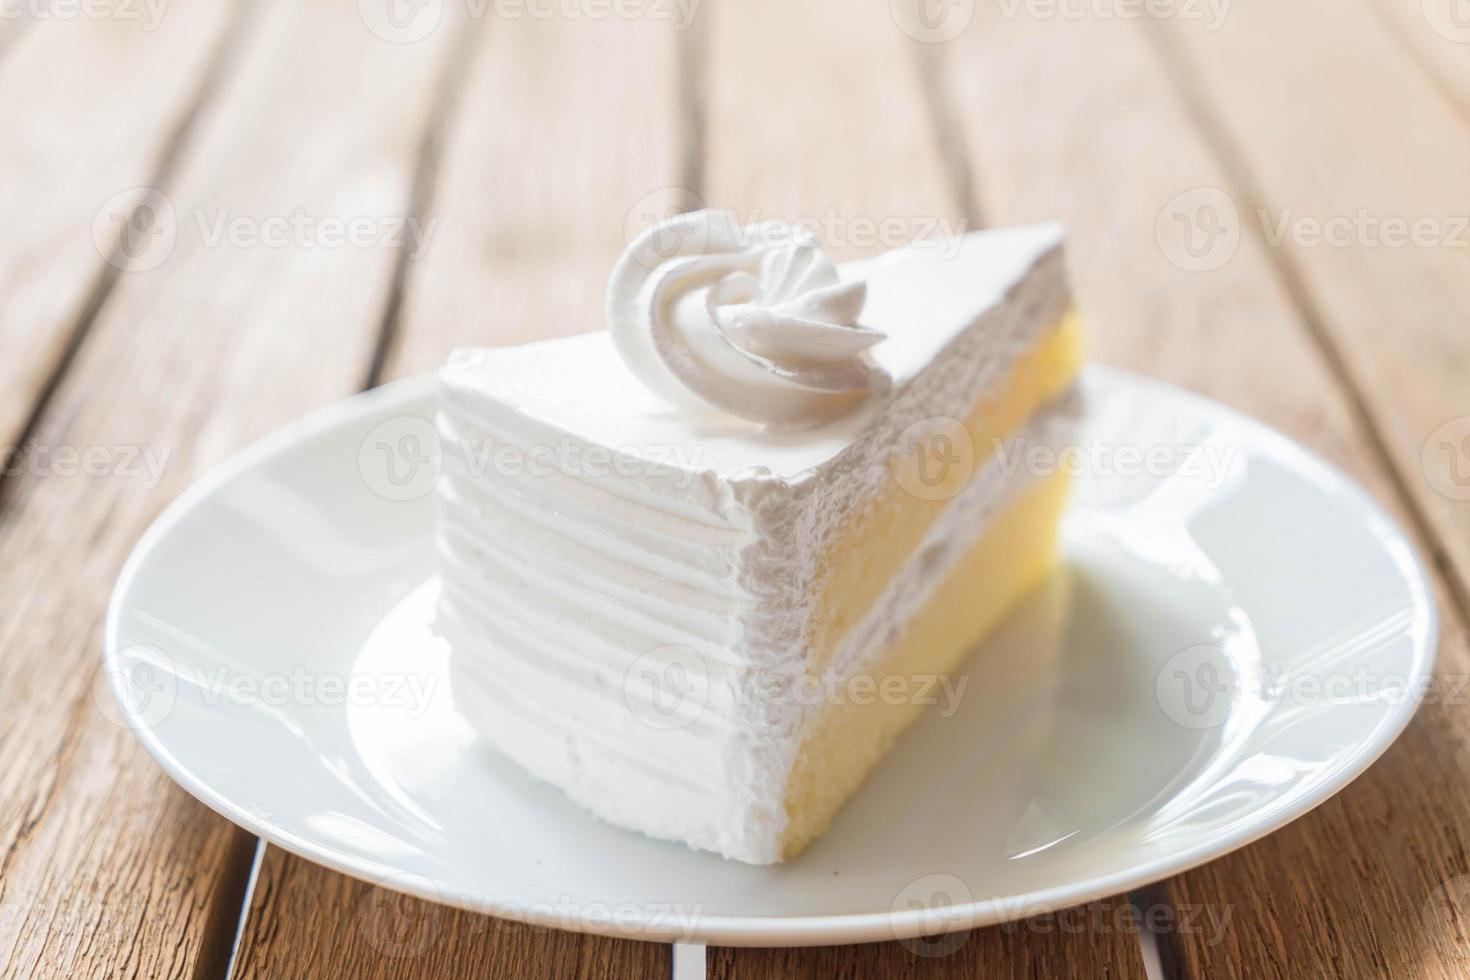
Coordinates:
752	321
590	534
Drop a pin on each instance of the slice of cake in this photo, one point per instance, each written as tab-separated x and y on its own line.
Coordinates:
702	568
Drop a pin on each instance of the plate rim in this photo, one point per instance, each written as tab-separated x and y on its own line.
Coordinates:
784	930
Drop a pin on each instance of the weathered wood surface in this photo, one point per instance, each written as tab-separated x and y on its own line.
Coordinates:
303	918
77	148
528	186
1356	188
1307	340
197	346
527	149
820	113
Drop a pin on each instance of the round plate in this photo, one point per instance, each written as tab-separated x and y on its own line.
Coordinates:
1237	632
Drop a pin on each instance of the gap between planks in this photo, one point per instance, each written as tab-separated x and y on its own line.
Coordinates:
1212	131
221	60
1214	134
1442	86
421	198
959	167
687	961
421	193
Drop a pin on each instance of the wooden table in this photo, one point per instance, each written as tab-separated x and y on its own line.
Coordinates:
177	185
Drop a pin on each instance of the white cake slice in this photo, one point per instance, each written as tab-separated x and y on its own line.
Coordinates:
701	570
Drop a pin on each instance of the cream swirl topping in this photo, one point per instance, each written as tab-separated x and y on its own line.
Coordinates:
754	322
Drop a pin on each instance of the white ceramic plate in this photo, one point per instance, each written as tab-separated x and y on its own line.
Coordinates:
1239	632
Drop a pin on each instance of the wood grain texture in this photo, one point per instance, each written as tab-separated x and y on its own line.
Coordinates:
106	869
303	916
76	143
1379	887
817	112
545	167
1096	942
1107	139
815	115
539	163
1373	238
1436	35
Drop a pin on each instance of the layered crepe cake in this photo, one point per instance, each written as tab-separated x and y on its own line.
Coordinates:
702	568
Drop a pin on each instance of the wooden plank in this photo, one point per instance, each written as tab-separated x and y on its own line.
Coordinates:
304	916
1376	240
107	868
532	183
815	115
1436	34
817	112
1379	877
1104	139
1097	941
76	140
546	166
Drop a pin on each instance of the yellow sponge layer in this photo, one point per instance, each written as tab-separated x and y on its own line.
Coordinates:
850	733
875	541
